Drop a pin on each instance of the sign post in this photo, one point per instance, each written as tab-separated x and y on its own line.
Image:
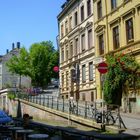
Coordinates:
102	68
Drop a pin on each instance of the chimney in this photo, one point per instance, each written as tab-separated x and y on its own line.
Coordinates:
13	46
7	51
18	45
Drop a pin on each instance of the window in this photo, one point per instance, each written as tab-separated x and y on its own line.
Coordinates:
71	49
116	42
101	44
62	55
83	73
92	96
113	4
83	97
62	81
67	53
99	9
91	71
129	30
76	18
76	46
88	7
70	23
62	31
67	79
82	13
66	27
90	38
83	42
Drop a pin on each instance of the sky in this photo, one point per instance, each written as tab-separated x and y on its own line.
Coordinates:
28	22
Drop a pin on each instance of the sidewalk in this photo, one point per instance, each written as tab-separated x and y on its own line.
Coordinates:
130	115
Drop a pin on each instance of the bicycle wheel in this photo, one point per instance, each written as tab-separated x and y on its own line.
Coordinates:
98	117
109	120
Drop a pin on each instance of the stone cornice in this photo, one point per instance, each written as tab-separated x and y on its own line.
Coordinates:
66	8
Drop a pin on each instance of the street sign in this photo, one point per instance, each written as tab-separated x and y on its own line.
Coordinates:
55	68
102	67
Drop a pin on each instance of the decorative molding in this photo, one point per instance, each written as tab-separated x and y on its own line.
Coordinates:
115	21
128	13
81	29
138	7
99	28
88	24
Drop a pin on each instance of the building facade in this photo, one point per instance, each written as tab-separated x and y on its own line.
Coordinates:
7	79
116	27
77	50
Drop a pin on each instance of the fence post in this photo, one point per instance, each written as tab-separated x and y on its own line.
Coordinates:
57	104
63	104
52	101
40	99
36	99
48	102
85	109
77	108
43	100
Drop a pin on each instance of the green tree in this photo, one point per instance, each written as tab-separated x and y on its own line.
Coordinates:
123	71
43	57
19	64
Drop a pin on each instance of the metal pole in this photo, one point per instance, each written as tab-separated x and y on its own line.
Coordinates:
69	97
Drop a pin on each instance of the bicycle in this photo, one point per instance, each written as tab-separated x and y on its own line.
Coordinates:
107	117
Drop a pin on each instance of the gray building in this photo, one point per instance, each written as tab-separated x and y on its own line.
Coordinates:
7	79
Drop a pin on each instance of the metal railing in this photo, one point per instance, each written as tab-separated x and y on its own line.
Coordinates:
89	110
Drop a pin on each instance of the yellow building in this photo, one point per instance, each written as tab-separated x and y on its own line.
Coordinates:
117	29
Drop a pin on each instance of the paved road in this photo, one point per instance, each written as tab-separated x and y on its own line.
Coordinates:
130	121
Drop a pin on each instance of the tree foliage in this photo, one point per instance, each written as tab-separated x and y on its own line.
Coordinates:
18	63
38	63
43	57
123	70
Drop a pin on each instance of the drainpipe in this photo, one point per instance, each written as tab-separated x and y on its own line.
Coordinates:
107	34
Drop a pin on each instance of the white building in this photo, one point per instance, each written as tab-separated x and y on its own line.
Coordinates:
77	50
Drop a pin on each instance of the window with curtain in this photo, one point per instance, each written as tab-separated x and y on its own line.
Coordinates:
101	44
99	9
90	38
83	42
82	13
91	71
113	4
116	41
76	18
129	30
83	73
70	23
88	7
76	46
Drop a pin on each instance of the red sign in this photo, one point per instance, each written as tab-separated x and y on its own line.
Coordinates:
102	67
55	68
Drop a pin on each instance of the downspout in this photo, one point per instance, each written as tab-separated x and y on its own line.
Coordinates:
107	34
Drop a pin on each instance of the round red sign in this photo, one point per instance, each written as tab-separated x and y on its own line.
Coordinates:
102	67
55	68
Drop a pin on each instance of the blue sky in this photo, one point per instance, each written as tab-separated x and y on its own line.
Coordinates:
28	21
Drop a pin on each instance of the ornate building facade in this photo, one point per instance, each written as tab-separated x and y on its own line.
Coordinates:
77	50
116	27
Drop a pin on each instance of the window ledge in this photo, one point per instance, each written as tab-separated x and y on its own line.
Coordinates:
130	41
